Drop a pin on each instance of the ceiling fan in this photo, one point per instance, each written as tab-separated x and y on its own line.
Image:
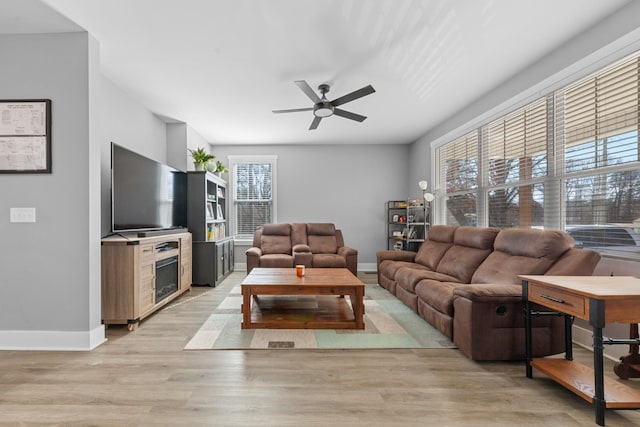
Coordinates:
323	108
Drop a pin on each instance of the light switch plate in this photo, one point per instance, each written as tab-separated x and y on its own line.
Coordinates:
22	215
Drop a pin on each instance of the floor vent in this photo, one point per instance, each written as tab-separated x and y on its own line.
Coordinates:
281	344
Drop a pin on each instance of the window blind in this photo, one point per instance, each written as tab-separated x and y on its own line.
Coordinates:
516	164
458	165
599	144
253	196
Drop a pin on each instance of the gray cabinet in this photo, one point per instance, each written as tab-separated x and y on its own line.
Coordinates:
207	221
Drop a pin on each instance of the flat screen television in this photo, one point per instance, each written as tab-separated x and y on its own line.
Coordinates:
145	194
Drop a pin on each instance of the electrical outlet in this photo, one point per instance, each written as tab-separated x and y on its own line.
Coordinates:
22	215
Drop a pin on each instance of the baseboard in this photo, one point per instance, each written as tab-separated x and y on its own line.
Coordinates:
52	340
367	267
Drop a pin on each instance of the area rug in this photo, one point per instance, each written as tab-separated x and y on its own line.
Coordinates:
388	324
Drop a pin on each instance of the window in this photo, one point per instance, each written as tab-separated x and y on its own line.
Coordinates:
253	183
459	172
570	160
598	138
516	165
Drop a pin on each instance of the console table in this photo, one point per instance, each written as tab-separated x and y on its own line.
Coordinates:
599	300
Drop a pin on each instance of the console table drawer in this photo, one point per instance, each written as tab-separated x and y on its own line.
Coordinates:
555	299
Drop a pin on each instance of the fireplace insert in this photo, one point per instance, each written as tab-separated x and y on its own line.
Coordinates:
166	277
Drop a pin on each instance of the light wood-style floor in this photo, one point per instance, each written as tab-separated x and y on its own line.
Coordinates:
144	378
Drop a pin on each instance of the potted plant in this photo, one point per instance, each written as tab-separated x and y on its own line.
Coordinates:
201	158
220	168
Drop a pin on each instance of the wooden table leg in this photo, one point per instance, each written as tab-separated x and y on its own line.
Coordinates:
358	307
246	307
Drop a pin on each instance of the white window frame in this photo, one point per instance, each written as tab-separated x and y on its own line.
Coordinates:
233	161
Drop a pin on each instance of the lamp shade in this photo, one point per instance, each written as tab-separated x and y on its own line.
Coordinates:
423	185
429	197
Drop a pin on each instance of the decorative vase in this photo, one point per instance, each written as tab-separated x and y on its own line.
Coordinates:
198	166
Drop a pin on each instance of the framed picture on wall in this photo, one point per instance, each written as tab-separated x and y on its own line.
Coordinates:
25	136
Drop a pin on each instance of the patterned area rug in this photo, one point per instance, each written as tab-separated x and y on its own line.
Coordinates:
388	324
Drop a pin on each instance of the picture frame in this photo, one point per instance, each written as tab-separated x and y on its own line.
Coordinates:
25	136
220	213
395	218
210	211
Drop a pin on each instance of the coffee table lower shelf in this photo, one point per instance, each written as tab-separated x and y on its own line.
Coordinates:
301	312
579	379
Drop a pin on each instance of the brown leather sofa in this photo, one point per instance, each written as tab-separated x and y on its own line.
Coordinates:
464	282
314	245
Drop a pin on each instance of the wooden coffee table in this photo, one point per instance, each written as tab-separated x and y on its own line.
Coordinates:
277	303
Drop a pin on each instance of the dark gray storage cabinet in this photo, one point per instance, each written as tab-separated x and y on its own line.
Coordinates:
207	222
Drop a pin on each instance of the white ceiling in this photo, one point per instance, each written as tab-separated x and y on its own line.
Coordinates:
222	66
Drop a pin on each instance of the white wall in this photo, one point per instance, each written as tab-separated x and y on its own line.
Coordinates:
128	124
50	283
344	184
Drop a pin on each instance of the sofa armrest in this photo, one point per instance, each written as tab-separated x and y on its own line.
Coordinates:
254	252
346	251
351	257
253	258
300	248
303	258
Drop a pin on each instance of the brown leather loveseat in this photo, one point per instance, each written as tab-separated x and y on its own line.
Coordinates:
313	245
464	281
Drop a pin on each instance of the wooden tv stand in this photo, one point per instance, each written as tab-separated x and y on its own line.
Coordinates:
129	265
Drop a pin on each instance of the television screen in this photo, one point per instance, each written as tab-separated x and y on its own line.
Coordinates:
145	194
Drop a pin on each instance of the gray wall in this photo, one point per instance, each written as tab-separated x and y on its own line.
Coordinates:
609	40
129	124
344	184
50	291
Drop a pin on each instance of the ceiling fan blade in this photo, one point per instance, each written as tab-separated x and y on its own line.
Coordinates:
295	110
304	86
348	115
367	90
315	123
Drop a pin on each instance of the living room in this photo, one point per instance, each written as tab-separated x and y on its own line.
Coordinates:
51	297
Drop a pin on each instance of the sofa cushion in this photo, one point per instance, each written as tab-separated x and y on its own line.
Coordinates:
388	268
276	261
329	261
276	239
322	238
439	240
522	251
436	294
407	277
471	246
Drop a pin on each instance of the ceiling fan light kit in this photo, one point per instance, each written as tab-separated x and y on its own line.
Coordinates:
322	108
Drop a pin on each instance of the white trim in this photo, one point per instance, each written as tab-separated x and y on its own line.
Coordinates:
52	340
